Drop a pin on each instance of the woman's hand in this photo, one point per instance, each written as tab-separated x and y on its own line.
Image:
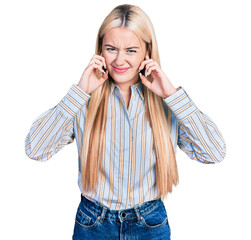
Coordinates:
160	85
93	76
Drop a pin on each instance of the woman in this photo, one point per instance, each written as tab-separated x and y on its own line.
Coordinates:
127	119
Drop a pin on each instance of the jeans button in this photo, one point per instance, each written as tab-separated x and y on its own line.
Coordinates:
123	214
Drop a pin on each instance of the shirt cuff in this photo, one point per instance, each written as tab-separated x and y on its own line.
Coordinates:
181	104
74	100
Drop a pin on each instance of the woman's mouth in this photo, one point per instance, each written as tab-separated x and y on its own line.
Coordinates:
120	70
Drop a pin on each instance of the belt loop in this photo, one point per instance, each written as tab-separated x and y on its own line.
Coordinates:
101	218
136	208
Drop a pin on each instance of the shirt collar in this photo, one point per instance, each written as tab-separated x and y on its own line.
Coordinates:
137	86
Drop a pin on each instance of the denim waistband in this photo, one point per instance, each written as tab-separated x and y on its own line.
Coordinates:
119	215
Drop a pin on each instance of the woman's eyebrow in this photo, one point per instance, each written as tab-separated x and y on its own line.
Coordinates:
108	45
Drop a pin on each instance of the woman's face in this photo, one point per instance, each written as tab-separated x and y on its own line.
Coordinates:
123	51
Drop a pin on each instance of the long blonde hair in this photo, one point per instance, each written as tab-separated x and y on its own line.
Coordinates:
135	19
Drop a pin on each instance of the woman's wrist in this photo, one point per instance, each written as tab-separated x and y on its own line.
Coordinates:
79	85
170	92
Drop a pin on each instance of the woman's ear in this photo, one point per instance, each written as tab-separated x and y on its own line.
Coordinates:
148	50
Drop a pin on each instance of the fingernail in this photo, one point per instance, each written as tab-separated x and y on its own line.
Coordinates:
105	66
139	69
140	74
146	73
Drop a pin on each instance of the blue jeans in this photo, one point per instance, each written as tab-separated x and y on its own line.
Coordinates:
145	221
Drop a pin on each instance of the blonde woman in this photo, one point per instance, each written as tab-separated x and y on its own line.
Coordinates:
127	119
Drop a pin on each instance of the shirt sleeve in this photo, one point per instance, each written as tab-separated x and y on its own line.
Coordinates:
53	129
198	135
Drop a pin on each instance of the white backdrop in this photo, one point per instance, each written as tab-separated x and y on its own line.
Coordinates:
204	47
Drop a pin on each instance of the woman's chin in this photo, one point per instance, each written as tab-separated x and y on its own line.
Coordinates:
122	78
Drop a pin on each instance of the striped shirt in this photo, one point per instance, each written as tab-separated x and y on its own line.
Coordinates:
129	158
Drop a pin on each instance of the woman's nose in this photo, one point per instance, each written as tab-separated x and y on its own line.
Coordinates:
120	58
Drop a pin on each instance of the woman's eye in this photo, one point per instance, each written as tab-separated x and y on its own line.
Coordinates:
131	51
110	49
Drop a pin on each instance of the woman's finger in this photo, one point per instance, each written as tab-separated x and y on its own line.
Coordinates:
149	71
96	66
145	81
142	65
97	61
101	58
150	65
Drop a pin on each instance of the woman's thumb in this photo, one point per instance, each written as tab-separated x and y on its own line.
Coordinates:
104	76
145	81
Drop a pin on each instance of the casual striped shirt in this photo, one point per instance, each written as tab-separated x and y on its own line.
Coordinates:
129	158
